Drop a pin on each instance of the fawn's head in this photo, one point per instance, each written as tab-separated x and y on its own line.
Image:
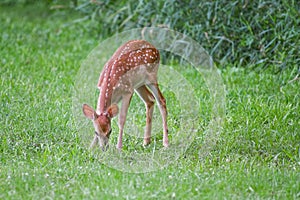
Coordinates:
102	122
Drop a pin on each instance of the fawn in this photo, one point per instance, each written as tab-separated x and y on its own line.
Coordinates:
133	67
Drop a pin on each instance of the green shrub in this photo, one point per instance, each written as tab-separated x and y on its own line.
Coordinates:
243	33
259	33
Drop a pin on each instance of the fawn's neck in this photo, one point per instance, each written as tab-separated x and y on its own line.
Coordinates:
104	99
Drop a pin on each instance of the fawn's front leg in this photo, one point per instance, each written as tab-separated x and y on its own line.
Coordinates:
122	117
94	142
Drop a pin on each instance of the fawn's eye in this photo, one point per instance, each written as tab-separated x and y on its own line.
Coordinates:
108	133
96	133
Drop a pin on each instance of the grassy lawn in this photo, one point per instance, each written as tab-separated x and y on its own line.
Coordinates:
42	156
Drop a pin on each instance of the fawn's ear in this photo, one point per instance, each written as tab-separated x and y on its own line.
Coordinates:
89	112
113	110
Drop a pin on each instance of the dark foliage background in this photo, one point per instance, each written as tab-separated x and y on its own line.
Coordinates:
243	33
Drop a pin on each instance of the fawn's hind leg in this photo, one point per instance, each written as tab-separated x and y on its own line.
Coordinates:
149	101
163	110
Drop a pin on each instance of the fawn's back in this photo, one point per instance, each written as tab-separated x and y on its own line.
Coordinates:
130	66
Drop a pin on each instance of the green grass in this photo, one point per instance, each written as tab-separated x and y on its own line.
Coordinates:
42	155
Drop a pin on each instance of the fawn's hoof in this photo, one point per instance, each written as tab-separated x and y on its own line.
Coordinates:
119	146
147	141
166	143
